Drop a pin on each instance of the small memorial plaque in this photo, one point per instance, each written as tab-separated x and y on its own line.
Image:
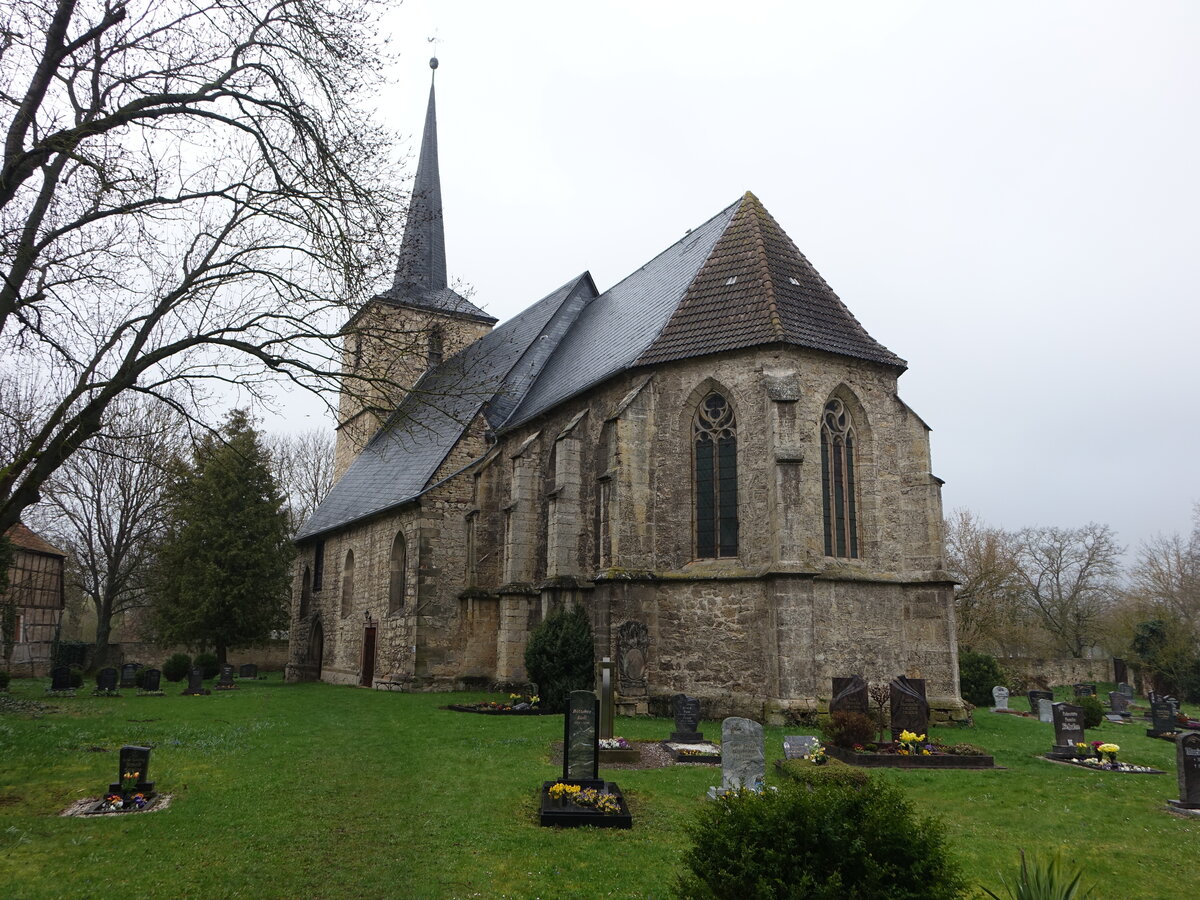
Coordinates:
687	720
1000	697
152	680
1068	727
850	695
743	761
798	746
910	710
106	679
581	755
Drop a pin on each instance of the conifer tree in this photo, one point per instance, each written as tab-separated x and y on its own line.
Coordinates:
223	569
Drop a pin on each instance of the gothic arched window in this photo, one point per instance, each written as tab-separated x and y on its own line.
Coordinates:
837	481
348	584
396	574
714	453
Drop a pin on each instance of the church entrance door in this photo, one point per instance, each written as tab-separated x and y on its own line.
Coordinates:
368	661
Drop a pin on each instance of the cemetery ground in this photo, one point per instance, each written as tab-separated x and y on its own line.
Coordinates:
323	791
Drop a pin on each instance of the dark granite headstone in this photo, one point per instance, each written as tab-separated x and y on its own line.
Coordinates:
1068	728
133	772
1118	703
152	680
1085	689
581	754
798	746
850	695
60	678
248	670
687	719
1035	696
910	709
129	675
1162	715
225	680
106	679
195	683
607	700
743	760
1187	764
1125	689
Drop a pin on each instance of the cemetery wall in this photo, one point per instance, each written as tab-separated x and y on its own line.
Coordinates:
1045	673
32	659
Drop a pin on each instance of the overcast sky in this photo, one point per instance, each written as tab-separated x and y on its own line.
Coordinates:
1006	195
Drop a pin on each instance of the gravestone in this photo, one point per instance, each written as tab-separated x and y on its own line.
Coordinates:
106	679
633	643
195	685
1120	670
60	678
225	681
607	701
798	746
850	695
1187	765
743	760
1068	729
910	709
1085	689
1000	697
581	754
1118	703
152	680
1125	689
248	670
687	720
1035	696
1046	709
129	675
1162	715
133	762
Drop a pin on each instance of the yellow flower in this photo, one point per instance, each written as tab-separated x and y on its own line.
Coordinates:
908	736
1108	748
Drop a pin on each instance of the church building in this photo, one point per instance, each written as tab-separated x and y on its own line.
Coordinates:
710	456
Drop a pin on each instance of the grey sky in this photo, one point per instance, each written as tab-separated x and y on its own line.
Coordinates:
1006	195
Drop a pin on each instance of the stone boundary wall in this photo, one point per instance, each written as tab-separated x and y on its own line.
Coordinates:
32	659
1046	673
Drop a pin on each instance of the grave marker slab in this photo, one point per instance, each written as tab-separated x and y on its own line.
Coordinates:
248	670
129	675
798	746
1125	689
909	708
60	678
1187	765
850	695
743	760
581	754
195	685
687	720
225	681
1035	696
1162	715
607	700
1118	703
133	773
1068	729
999	697
1046	710
152	680
106	679
1085	689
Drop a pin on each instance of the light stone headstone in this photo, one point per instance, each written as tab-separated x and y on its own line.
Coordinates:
1000	697
607	701
1125	689
798	746
743	760
581	753
1045	710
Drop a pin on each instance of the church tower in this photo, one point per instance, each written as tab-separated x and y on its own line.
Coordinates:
400	334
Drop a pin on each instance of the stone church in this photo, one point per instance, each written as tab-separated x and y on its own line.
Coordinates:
710	456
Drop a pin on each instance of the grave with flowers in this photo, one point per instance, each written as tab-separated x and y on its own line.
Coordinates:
686	743
131	792
523	704
581	796
613	748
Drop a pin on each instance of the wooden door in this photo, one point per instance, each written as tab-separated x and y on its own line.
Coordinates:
368	662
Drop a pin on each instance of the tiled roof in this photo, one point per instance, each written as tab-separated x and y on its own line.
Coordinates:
23	537
443	300
487	376
757	288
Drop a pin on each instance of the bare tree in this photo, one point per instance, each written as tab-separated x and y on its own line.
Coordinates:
1069	580
303	469
1166	576
987	600
106	507
191	195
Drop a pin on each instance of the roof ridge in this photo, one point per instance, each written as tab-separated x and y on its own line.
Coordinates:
755	209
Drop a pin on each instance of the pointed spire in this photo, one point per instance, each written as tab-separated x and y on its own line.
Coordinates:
422	266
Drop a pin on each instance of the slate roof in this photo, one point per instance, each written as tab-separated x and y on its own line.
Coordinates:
487	376
756	288
22	536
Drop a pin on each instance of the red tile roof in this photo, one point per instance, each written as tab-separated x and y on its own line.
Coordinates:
23	537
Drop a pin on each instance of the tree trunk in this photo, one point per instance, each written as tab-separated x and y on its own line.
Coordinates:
103	630
221	654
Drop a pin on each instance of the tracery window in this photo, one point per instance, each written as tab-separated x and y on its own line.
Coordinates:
714	444
837	481
396	573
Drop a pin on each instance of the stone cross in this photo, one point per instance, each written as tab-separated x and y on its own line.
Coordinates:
743	760
581	754
1000	697
607	701
1187	764
687	719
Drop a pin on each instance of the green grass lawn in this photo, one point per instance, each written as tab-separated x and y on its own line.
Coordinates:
314	790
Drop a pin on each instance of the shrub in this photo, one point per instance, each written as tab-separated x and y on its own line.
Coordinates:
208	664
965	750
176	667
833	771
5	678
1046	879
821	841
1093	711
559	657
845	729
978	673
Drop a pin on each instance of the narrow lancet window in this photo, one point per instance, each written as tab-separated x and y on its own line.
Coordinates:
837	481
715	460
396	572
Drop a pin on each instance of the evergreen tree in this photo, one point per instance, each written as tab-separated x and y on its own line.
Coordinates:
223	569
